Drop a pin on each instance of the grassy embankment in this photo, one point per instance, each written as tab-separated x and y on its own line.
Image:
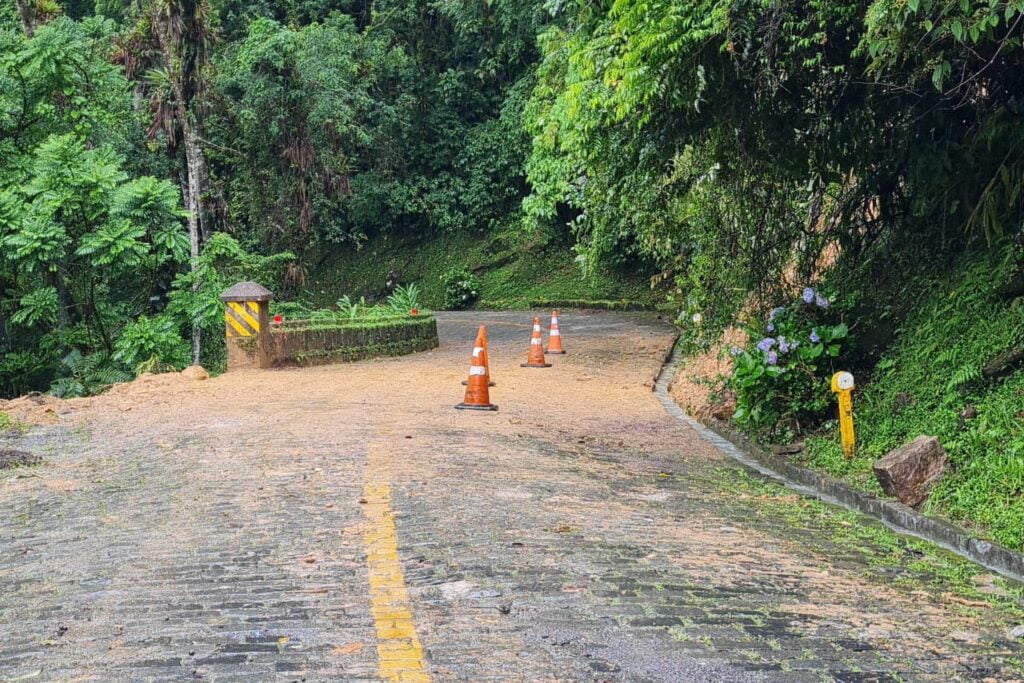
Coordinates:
514	268
930	380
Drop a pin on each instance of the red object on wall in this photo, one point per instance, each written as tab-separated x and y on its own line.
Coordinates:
278	319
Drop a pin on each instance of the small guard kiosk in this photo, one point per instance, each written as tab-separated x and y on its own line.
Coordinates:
247	325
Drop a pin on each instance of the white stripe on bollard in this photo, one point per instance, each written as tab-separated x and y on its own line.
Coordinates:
477	370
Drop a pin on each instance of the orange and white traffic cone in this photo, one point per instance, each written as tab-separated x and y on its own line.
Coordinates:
477	395
536	357
555	336
487	359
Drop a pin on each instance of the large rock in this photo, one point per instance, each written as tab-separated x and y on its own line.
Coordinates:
1004	364
909	472
195	372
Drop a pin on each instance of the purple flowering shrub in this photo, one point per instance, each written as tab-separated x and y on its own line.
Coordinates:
781	380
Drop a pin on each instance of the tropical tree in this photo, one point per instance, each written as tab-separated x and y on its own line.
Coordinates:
297	101
170	44
84	247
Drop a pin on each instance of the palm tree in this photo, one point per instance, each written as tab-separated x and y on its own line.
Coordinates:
173	39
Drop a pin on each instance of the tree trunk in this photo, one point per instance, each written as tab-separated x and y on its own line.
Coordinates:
205	221
65	302
195	166
174	27
27	12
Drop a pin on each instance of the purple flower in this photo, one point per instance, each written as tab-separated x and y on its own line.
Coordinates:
785	346
821	301
735	351
765	345
773	358
815	338
808	295
770	327
776	312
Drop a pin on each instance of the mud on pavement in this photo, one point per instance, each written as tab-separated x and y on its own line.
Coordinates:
274	526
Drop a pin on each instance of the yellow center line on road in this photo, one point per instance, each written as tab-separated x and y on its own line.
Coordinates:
398	648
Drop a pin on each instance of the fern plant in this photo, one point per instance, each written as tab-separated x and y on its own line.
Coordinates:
87	375
963	376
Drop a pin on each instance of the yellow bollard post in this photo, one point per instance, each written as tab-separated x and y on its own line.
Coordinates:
247	325
843	386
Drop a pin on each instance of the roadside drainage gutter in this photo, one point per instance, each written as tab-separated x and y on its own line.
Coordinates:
898	517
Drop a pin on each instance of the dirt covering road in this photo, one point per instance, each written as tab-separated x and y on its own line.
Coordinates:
346	523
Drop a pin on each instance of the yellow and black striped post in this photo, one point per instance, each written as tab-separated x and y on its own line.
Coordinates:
246	321
242	318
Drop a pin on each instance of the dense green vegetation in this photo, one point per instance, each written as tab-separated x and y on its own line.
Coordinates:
728	153
155	149
731	140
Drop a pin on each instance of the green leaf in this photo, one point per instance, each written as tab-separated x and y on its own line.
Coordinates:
937	77
38	307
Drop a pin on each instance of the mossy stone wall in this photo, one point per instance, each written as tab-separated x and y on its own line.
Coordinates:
318	343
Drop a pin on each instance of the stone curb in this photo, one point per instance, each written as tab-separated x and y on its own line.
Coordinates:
563	304
900	518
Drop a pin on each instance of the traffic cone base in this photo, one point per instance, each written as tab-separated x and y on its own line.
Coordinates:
555	353
466	406
535	365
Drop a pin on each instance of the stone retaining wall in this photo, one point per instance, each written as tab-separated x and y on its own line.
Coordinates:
570	304
305	343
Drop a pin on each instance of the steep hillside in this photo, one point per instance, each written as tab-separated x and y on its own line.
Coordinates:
946	374
514	268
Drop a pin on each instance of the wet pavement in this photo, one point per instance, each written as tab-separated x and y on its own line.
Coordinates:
346	523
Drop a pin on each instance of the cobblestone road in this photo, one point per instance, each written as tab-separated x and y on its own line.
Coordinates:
345	523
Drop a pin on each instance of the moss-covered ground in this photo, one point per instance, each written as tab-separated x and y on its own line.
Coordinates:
512	266
906	562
